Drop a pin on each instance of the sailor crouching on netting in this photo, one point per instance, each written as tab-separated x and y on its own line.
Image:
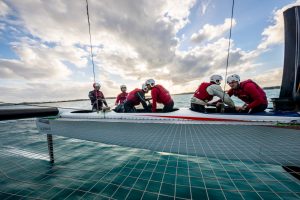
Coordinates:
206	92
248	91
134	98
97	98
160	95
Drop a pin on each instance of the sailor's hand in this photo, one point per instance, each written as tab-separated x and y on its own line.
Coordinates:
238	108
219	104
245	106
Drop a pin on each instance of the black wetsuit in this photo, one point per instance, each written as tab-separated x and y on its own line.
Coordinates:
94	95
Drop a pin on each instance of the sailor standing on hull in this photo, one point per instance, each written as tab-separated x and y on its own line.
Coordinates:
206	92
97	98
160	95
248	91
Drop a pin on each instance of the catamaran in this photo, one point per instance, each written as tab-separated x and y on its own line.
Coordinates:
184	131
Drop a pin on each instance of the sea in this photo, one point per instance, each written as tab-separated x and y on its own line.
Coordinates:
92	170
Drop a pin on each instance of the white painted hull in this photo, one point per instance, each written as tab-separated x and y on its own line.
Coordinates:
183	115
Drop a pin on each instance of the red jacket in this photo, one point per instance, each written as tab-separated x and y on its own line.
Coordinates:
201	92
160	95
249	92
121	98
132	97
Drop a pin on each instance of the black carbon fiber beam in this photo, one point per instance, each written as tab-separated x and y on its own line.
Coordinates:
9	114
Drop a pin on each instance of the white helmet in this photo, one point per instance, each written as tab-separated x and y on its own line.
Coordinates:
216	79
150	82
233	77
122	86
96	85
144	87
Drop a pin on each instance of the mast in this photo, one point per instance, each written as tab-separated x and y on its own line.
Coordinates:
289	97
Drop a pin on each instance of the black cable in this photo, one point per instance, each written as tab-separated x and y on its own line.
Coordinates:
91	47
228	50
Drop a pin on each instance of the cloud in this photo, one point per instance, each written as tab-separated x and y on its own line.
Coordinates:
183	66
274	34
132	40
2	26
203	61
38	61
4	9
268	78
204	6
44	91
210	32
146	29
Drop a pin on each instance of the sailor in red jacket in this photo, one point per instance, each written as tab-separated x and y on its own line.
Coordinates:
97	98
122	96
160	95
206	92
134	98
248	91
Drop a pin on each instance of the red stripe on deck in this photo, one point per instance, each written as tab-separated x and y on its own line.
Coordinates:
198	118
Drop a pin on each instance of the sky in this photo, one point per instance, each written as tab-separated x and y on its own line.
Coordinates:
45	52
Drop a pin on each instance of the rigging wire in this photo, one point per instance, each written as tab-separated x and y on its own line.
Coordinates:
228	50
91	46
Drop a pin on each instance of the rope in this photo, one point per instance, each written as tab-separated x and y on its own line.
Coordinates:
228	50
91	47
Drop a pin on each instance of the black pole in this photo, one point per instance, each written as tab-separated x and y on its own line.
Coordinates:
9	114
50	147
289	97
291	52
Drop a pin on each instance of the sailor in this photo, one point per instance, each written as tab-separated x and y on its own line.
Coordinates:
134	98
122	96
160	95
97	98
248	91
206	92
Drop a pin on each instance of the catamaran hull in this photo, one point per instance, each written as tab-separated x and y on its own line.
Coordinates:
213	136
